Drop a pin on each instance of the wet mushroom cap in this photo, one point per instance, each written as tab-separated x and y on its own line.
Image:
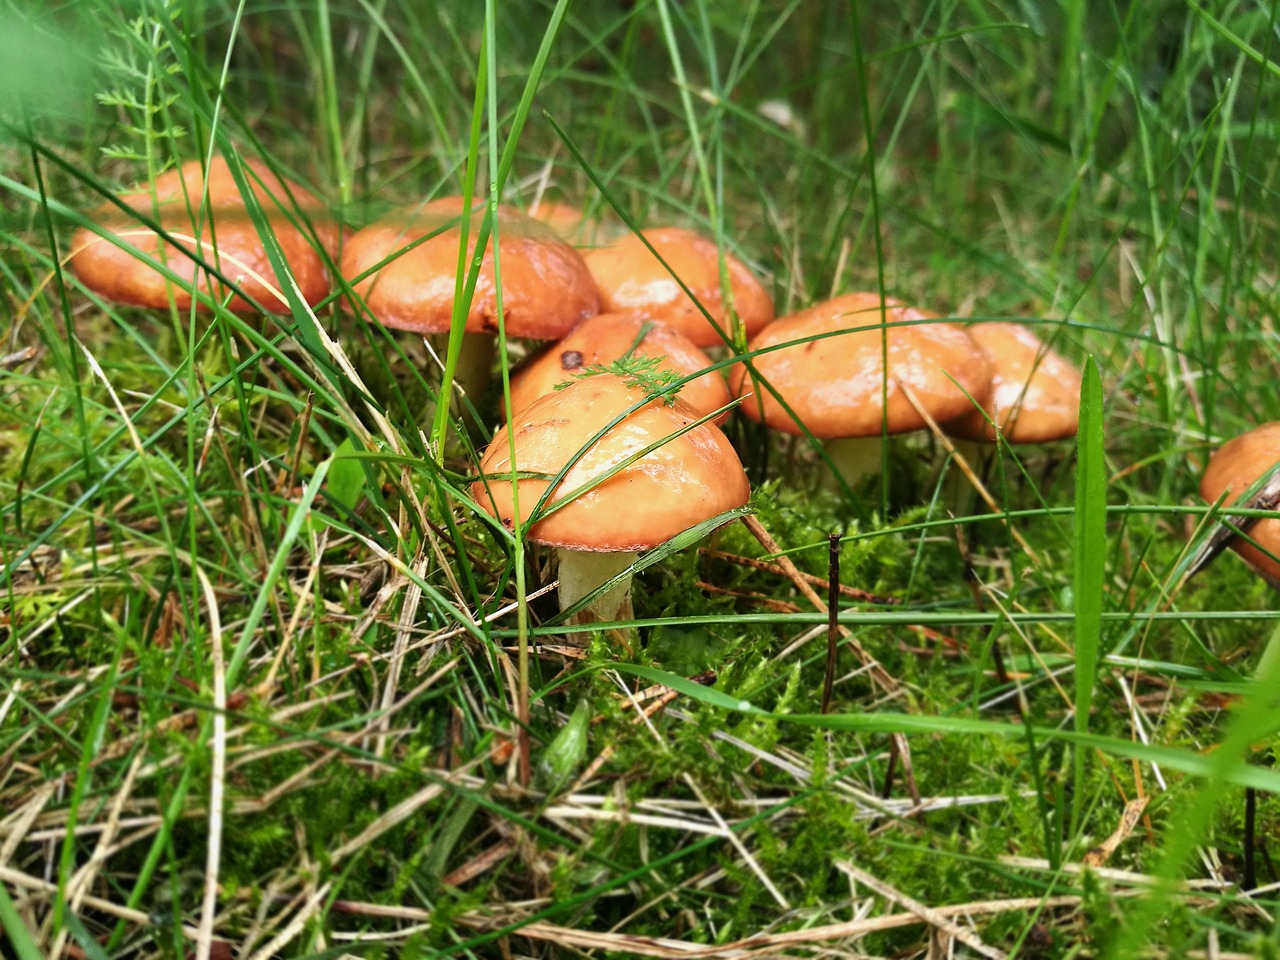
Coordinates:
229	240
835	385
1234	468
546	288
684	481
630	277
560	217
1034	391
604	338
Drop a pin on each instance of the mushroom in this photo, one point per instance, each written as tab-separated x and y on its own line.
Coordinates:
565	220
1236	467
619	505
630	277
546	288
600	340
1035	392
1232	470
228	240
1034	398
837	385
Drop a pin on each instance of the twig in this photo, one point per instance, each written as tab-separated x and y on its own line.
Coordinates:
770	545
408	613
877	672
928	914
294	926
833	622
1100	854
853	593
967	471
398	814
26	882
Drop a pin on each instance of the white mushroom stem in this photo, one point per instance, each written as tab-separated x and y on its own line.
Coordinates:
960	493
856	457
475	360
581	571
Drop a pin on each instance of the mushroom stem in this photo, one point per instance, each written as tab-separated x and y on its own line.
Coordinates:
581	571
855	457
960	494
475	360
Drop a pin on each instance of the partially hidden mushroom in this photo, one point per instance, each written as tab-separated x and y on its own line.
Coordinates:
630	277
1035	391
827	364
1034	398
1239	465
606	337
221	234
546	287
681	477
1232	470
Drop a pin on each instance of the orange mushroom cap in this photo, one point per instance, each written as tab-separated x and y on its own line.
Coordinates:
228	239
688	479
1234	468
1035	393
607	337
630	277
835	385
546	288
560	217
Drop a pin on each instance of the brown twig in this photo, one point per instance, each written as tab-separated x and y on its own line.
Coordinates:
877	672
967	470
765	566
833	622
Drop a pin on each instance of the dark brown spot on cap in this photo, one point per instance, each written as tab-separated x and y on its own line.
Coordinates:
571	360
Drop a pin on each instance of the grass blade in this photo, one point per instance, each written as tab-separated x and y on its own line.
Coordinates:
1090	547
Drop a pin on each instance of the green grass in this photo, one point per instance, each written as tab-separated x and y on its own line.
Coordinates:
285	491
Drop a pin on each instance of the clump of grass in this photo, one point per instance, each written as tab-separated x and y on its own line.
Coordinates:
261	662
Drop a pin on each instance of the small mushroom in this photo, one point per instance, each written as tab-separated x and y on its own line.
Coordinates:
228	240
1034	398
837	385
565	220
1035	392
600	340
1232	470
630	277
685	479
546	288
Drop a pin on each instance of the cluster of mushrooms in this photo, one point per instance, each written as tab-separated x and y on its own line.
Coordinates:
636	465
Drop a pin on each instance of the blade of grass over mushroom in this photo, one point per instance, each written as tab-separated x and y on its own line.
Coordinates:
485	98
726	336
545	507
679	542
870	159
1089	565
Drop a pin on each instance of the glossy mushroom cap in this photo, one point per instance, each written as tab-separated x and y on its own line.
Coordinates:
1035	393
607	337
560	217
675	486
835	385
546	288
229	240
1235	467
631	278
